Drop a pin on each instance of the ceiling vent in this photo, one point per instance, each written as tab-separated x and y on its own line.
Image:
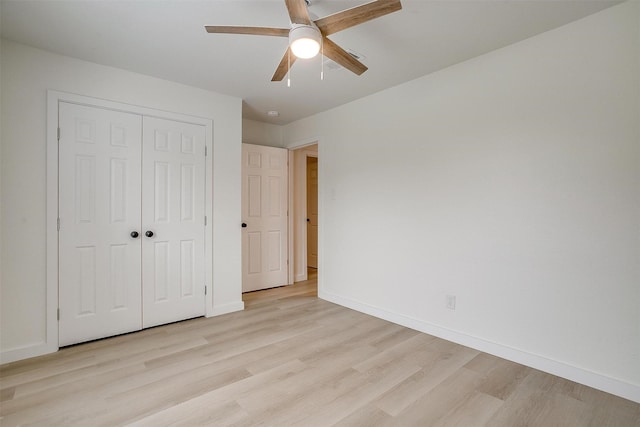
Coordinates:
355	54
331	65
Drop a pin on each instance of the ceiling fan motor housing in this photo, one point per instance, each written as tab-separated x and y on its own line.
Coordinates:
305	40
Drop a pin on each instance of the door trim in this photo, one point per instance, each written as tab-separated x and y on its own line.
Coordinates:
53	100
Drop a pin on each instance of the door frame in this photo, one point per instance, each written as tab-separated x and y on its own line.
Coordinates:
297	221
53	100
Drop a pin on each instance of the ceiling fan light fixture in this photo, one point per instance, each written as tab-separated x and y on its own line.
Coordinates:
307	36
304	41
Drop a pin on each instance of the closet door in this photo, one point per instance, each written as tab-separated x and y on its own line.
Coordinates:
99	211
173	185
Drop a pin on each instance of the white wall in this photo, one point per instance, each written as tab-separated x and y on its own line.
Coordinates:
511	181
27	73
259	133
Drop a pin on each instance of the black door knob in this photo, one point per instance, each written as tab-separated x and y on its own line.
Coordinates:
149	233
308	220
244	225
134	234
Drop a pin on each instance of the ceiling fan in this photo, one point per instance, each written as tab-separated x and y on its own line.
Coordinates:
306	36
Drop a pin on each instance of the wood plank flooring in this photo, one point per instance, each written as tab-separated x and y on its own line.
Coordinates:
292	359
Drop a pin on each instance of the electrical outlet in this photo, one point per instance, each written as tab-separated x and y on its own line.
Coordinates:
451	302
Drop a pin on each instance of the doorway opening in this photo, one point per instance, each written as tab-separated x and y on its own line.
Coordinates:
312	212
304	205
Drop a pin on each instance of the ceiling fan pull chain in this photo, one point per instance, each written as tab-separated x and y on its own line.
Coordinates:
289	67
322	59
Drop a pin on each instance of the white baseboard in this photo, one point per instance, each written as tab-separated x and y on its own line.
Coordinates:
39	349
561	369
26	352
227	308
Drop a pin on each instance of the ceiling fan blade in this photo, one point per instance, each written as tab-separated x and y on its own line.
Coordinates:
283	68
357	15
298	12
342	57
259	31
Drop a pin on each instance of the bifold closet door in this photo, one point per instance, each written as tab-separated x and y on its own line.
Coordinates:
99	211
173	186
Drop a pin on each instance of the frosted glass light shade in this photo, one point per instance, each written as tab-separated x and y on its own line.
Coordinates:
304	41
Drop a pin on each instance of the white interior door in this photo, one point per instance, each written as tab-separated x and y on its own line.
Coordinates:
312	212
173	185
264	216
99	208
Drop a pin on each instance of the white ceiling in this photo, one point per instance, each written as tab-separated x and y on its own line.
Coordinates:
166	39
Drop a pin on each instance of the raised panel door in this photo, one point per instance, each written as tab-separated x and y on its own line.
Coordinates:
99	207
264	211
173	185
312	212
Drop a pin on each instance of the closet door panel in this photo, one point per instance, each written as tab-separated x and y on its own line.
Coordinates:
173	185
99	208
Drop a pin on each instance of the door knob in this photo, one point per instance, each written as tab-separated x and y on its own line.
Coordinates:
244	225
308	220
134	234
149	233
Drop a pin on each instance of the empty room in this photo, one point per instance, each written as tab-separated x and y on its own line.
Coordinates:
320	212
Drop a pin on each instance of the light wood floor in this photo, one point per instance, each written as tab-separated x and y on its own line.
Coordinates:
292	359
